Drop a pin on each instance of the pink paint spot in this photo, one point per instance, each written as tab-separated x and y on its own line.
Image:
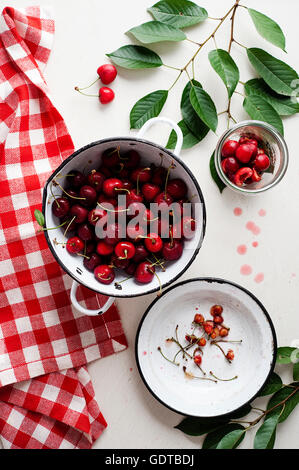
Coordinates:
238	211
253	228
259	278
262	213
196	308
242	249
131	369
293	274
255	244
246	270
144	353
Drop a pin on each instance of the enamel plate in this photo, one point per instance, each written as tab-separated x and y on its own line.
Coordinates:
254	357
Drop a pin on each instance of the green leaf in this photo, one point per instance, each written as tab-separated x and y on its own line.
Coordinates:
232	440
204	107
147	107
260	109
296	371
39	217
268	28
214	174
178	13
276	73
195	124
284	355
264	435
189	139
288	393
225	66
155	31
200	426
214	438
135	57
274	383
283	105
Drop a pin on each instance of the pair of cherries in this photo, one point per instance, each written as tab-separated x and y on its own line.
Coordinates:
107	74
244	161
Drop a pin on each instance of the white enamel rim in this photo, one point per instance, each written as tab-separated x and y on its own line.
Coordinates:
254	361
150	154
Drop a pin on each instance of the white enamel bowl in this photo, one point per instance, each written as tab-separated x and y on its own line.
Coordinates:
88	158
254	357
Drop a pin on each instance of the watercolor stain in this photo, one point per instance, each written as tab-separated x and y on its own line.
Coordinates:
144	353
262	213
253	228
259	278
242	249
255	244
246	270
238	211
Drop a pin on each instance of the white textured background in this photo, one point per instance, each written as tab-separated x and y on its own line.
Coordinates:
85	31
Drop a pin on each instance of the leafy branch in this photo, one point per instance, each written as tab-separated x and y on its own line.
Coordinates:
266	98
229	432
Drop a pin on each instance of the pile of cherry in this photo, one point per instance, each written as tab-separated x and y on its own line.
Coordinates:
85	200
245	161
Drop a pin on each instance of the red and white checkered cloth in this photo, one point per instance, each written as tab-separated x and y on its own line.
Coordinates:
46	396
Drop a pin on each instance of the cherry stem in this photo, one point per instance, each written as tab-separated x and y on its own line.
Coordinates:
69	225
124	257
226	341
84	88
85	94
166	179
65	192
111	210
84	256
169	360
53	228
223	352
223	380
189	375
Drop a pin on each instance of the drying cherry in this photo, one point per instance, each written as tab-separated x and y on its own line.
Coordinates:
172	250
124	250
261	162
215	333
202	342
111	185
230	355
150	191
218	319
79	212
223	332
198	318
153	243
92	262
106	95
104	274
74	245
144	272
208	327
245	152
104	249
177	188
96	179
89	194
229	148
242	176
107	73
60	207
197	359
216	310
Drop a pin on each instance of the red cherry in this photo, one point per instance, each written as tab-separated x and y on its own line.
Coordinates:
245	152
148	216
104	249
230	165
208	327
70	224
79	212
242	176
223	332
133	196
113	234
153	243
131	268
140	253
119	263
197	359
216	310
127	184
107	73
198	318
76	178
132	159
255	176
85	232
188	227
150	191
90	247
106	95
124	250
202	342
134	231
172	250
95	215
104	274
106	201
230	355
159	176
92	262
60	207
143	175
218	319
163	199
144	272
111	185
177	188
229	148
96	179
247	140
110	158
261	162
74	245
89	194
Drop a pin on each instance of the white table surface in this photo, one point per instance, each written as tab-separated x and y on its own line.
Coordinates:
85	31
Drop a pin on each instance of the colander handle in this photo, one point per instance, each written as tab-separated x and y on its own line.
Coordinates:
86	311
172	124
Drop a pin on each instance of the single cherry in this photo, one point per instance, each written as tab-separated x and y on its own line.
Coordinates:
85	232
132	159
133	196
110	158
131	268
159	176
79	212
261	162
229	148
111	185
104	274
124	250
223	332
245	152
90	247
172	250
242	176
92	262
140	253
104	249
216	310
198	318
197	359
177	188
230	355
218	319
90	195
153	243
150	191
76	179
256	177
74	245
95	215
60	207
119	263
106	95
163	198
107	73
144	272
96	180
202	342
208	326
113	235
143	175
230	165
188	227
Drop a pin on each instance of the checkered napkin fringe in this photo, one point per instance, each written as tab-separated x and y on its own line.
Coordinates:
47	396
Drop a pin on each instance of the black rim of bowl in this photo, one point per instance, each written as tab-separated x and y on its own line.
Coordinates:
218	281
177	159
